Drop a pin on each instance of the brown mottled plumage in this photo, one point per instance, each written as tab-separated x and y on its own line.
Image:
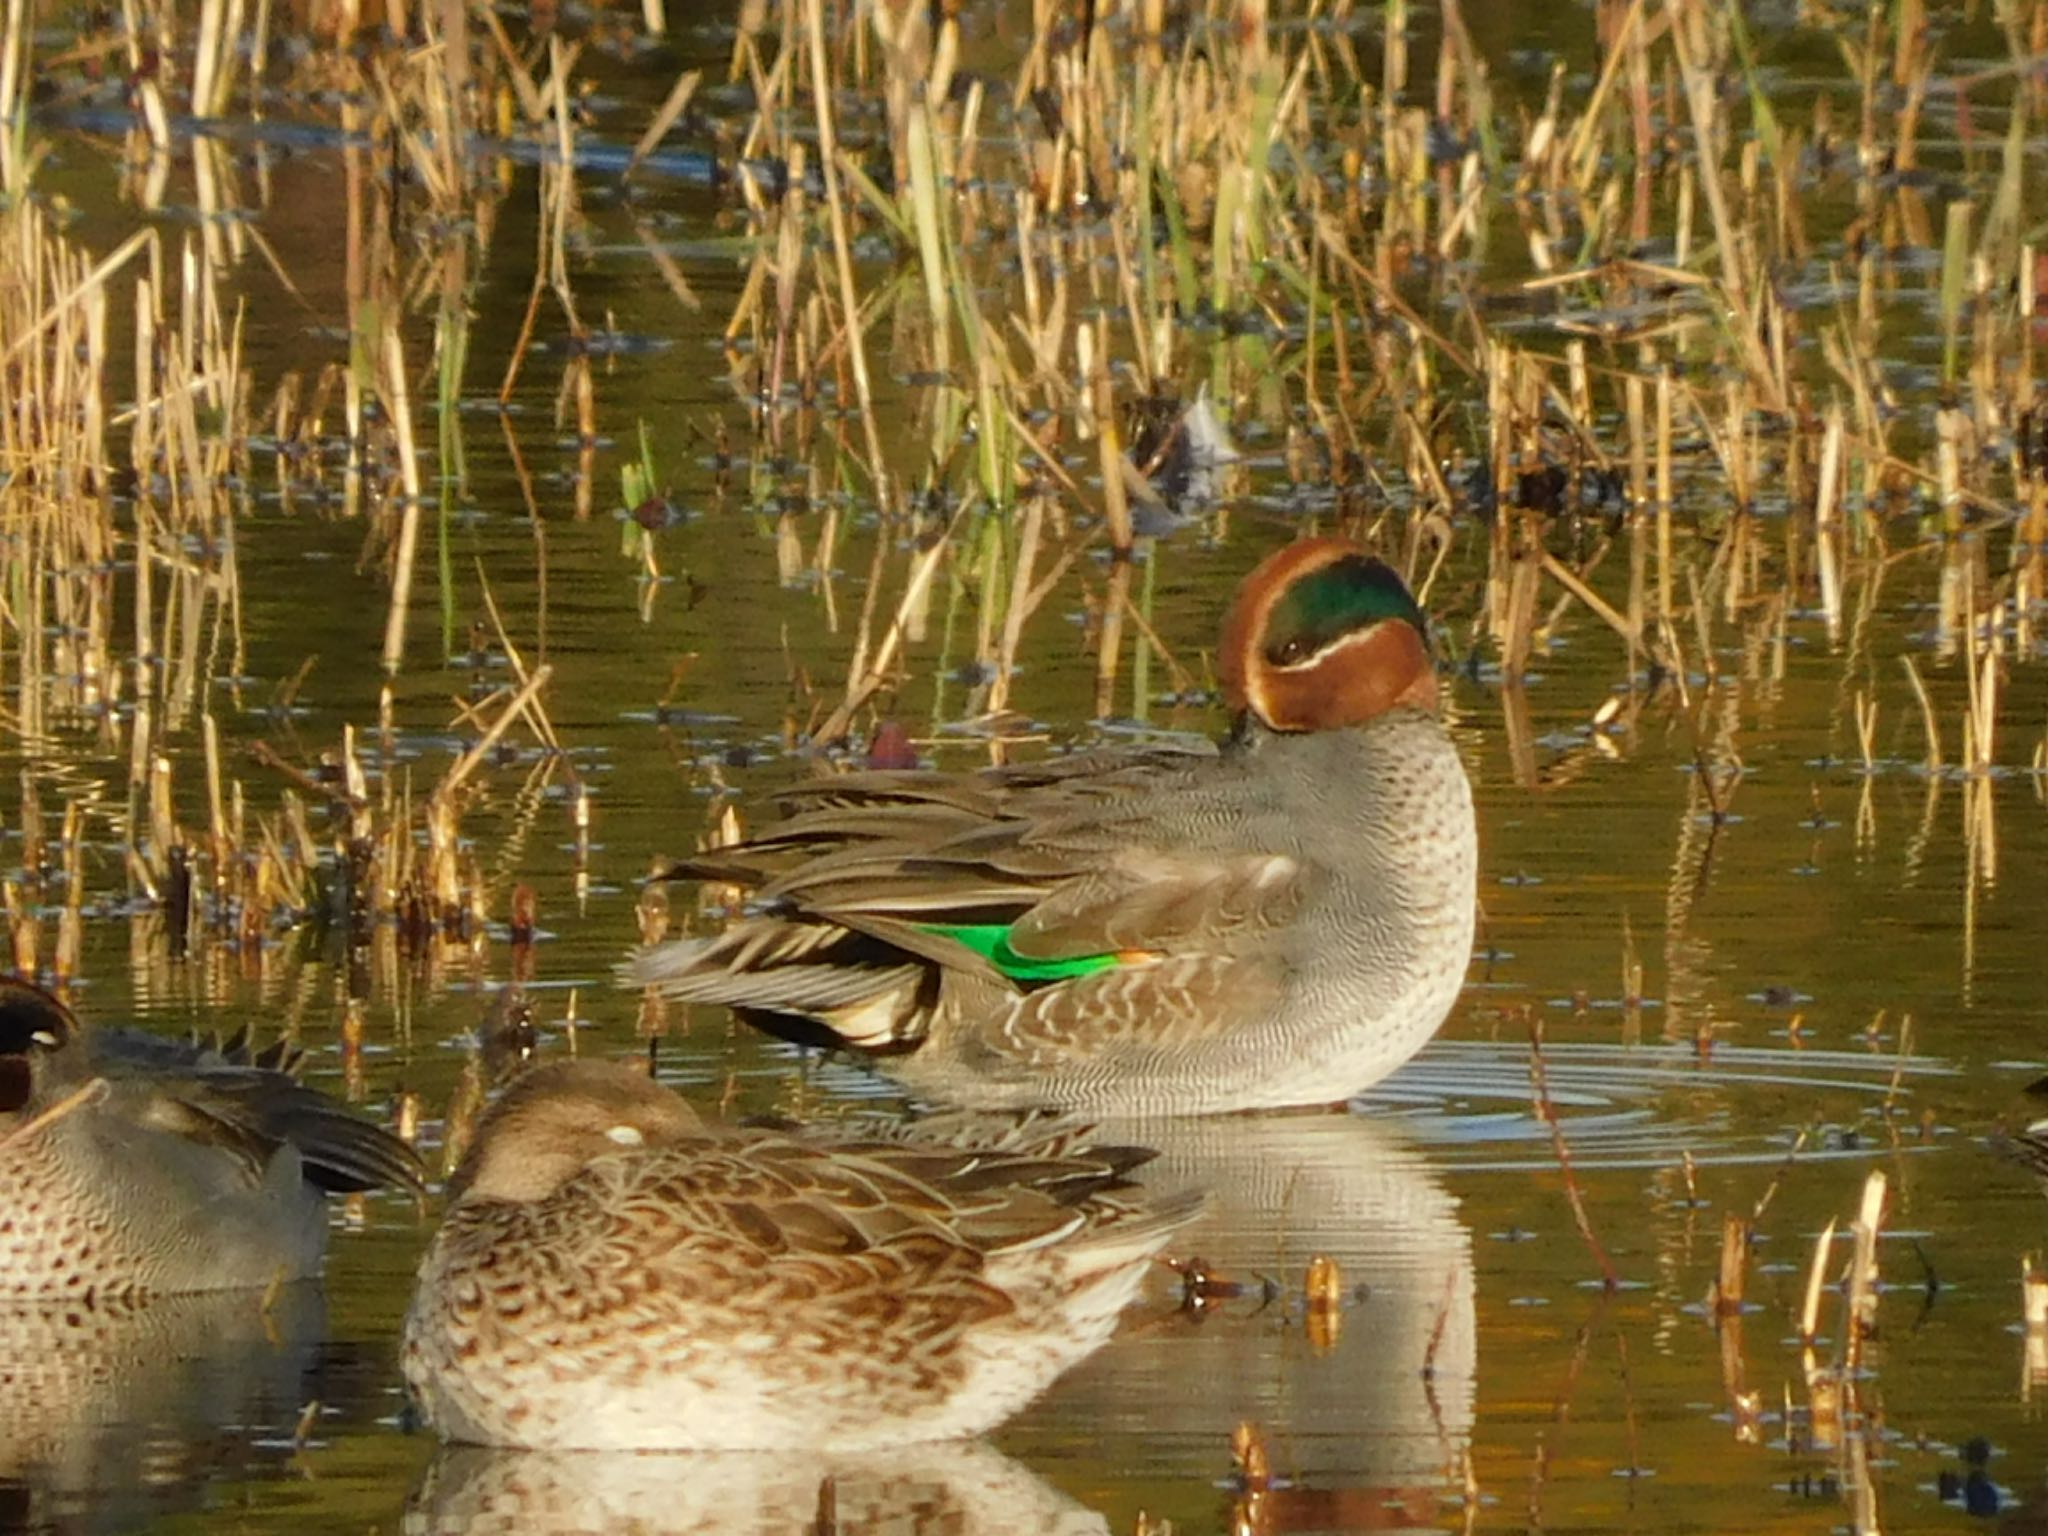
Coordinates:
137	1165
612	1274
1282	921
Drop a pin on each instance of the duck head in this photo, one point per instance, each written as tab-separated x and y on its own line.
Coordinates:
33	1026
1322	636
556	1119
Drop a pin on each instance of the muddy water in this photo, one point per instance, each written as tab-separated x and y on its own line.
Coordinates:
1789	908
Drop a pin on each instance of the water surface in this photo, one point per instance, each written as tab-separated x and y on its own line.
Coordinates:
1790	908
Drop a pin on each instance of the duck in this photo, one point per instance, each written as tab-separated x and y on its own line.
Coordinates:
1278	922
614	1273
142	1166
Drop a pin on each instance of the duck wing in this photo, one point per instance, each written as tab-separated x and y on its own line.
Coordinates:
249	1102
882	886
833	1204
870	819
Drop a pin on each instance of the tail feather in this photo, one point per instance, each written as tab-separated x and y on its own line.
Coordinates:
344	1154
235	1094
868	1006
1146	1229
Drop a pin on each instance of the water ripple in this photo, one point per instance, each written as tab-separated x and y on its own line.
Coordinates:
1623	1106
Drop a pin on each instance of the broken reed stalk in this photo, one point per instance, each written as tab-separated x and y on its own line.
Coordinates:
522	703
842	256
1861	1312
1548	1113
1866	731
1980	718
1324	1290
866	680
2034	1316
1816	1279
1901	1057
1703	103
1726	1299
671	109
1827	520
528	697
409	515
1020	605
14	45
1926	715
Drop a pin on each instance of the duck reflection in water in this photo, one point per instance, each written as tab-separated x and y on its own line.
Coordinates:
1362	1402
963	1488
115	1414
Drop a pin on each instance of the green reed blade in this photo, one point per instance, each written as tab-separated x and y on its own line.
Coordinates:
1760	113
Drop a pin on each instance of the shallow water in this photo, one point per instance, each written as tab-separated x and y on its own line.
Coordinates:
1476	1375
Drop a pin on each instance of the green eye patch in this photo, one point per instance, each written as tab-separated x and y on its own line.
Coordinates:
1332	601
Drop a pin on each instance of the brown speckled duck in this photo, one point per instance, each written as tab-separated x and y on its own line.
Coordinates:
612	1274
1283	921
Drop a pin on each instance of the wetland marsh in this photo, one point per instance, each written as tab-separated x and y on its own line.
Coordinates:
440	483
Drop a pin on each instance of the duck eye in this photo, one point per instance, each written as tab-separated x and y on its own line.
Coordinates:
1287	652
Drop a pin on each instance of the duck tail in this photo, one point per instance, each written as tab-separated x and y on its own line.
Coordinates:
1136	1234
805	986
665	967
1105	1267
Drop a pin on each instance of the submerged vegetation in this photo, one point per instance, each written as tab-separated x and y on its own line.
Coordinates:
1675	366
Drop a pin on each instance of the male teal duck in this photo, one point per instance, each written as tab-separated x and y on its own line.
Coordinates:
140	1166
1282	921
612	1274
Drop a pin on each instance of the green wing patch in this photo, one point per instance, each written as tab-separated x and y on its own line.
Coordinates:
992	942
